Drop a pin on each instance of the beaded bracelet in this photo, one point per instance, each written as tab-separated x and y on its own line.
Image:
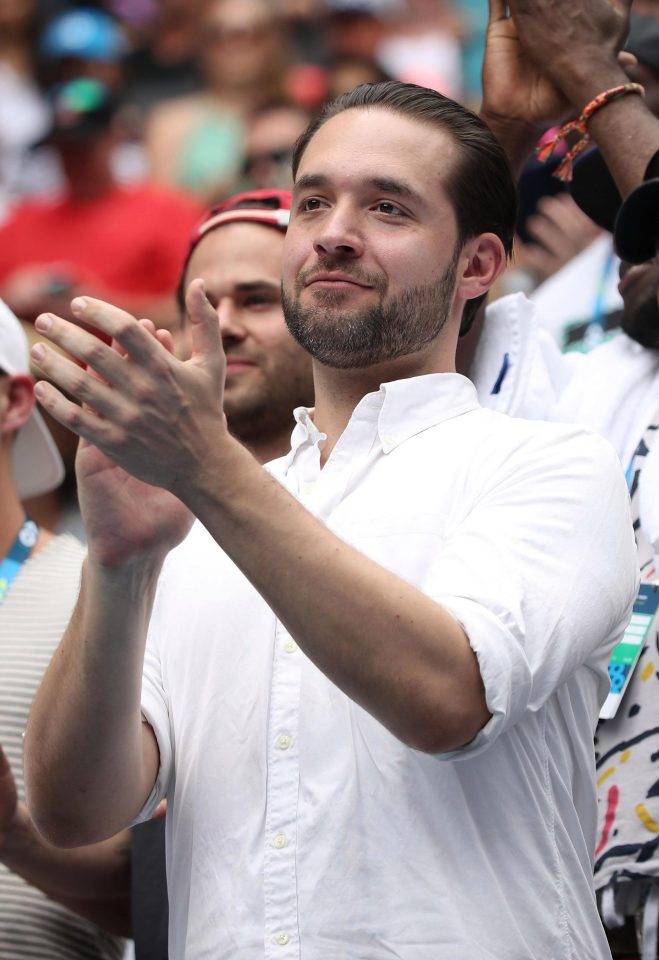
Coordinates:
545	150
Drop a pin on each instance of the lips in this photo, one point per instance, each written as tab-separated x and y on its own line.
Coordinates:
236	364
330	278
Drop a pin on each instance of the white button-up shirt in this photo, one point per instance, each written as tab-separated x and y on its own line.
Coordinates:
298	826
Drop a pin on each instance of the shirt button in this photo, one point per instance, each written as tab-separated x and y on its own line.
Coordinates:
290	646
282	938
280	841
284	741
389	439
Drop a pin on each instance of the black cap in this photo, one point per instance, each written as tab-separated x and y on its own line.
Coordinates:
637	225
594	189
81	108
643	40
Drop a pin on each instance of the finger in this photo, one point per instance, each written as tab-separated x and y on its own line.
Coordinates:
166	339
204	328
118	325
148	325
83	346
548	234
84	385
627	59
162	335
79	420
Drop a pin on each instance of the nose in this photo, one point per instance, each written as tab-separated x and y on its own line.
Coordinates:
339	234
231	327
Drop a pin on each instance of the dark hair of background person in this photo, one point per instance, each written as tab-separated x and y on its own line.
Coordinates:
480	186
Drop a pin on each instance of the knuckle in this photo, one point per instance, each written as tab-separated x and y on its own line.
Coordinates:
125	326
93	352
72	416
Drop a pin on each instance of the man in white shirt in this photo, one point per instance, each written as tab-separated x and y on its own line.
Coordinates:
371	706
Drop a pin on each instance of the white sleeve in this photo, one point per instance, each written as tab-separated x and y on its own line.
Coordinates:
542	575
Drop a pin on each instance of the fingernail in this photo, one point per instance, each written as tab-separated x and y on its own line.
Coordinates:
39	390
43	322
38	352
79	305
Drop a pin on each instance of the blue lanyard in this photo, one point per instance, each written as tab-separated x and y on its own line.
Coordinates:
19	551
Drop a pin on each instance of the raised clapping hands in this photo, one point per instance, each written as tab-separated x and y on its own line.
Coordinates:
543	60
146	415
570	41
515	86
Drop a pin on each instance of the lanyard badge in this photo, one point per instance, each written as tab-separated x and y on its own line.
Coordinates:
19	551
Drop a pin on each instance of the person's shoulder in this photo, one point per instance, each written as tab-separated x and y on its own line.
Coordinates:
544	444
163	199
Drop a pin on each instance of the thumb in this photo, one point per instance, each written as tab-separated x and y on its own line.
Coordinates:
204	328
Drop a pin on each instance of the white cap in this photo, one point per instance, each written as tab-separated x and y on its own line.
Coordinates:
36	463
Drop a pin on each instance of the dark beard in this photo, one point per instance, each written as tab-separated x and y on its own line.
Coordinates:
643	324
395	327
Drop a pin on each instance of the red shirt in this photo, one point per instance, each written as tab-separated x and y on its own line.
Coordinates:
132	240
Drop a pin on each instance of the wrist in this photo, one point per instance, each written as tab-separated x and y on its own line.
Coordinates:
583	84
223	478
133	578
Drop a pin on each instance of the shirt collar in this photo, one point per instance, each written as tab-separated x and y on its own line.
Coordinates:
401	409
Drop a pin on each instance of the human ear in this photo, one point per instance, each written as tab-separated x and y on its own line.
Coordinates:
485	259
16	402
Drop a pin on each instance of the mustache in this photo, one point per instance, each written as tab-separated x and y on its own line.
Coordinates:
340	265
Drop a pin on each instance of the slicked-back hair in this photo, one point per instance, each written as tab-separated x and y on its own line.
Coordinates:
479	184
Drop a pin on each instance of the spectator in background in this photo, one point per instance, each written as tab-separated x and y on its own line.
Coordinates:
615	391
198	142
578	300
164	61
81	42
271	136
23	113
39	581
411	40
97	235
88	42
346	72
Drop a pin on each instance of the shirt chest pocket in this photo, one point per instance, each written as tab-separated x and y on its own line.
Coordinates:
407	543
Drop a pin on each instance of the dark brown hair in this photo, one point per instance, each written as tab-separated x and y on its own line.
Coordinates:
479	186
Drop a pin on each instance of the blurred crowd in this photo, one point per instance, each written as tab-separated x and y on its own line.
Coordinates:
130	132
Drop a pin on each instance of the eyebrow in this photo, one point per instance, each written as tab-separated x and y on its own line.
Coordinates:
250	286
389	185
